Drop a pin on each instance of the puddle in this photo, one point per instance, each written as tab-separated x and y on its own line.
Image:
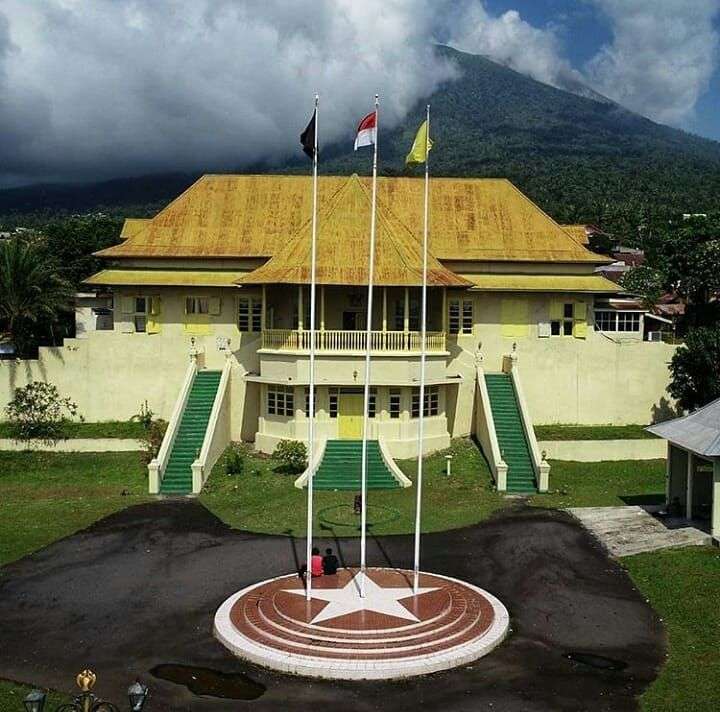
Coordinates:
210	683
596	661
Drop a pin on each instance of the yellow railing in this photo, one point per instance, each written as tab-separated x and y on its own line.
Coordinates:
343	341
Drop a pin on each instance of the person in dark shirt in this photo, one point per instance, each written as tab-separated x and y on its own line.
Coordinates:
330	563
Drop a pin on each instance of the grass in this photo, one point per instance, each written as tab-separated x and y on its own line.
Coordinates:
604	484
683	586
262	500
592	432
111	429
46	496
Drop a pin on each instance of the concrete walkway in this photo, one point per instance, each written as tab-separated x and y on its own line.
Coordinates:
625	531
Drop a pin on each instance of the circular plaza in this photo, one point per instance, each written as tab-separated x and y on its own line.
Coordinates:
389	632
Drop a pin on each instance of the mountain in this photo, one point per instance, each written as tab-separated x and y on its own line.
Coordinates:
582	157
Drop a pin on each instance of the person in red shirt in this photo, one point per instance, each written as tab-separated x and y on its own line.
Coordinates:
316	562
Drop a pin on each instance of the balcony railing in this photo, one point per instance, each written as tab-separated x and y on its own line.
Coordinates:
349	341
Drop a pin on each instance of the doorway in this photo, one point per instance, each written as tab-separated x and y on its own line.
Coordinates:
350	416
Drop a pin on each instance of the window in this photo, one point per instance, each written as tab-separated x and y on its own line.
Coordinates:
460	316
372	403
394	407
432	402
413	315
249	314
197	305
564	326
307	402
333	403
280	400
140	315
612	320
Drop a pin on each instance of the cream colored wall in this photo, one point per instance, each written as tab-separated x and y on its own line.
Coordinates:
597	380
566	380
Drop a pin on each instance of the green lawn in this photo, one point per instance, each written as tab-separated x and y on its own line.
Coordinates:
683	586
46	496
592	432
263	500
110	429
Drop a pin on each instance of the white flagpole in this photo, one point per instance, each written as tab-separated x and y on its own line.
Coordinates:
423	316
311	394
368	345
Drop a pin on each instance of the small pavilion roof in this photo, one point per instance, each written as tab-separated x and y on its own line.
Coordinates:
343	244
698	432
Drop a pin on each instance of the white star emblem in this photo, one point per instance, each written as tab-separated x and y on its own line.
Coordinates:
342	601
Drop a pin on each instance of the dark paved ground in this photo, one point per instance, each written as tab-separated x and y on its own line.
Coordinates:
140	588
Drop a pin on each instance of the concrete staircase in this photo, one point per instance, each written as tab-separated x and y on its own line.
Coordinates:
511	437
340	468
177	478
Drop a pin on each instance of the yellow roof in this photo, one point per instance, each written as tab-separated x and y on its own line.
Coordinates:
593	283
132	227
253	216
578	233
343	247
164	278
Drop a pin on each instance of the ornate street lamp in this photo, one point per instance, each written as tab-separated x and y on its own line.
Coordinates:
86	701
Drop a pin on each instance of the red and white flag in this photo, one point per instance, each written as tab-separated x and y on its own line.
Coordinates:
367	131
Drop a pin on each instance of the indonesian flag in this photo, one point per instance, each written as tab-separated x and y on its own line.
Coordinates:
367	131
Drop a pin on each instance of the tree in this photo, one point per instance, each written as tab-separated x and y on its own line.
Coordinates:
695	369
38	412
33	295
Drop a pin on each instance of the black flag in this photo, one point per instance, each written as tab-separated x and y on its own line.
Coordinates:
307	137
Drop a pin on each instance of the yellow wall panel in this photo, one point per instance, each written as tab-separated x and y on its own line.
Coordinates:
514	318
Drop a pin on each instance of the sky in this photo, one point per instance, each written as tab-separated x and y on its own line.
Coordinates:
95	89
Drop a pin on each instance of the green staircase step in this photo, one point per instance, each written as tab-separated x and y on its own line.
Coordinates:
341	467
177	478
510	433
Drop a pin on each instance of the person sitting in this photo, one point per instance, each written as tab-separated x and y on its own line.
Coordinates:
316	562
330	563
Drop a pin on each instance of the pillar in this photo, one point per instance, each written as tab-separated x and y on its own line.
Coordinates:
668	474
689	486
301	305
322	308
384	309
444	310
406	311
263	313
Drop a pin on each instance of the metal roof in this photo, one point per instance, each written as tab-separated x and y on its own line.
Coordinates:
698	432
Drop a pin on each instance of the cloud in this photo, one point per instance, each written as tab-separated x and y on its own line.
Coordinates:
510	40
662	56
120	87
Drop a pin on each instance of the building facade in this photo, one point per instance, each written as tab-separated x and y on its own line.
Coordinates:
221	275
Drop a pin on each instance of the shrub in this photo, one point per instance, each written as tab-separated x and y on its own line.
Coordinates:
145	416
695	369
37	411
152	440
234	460
292	454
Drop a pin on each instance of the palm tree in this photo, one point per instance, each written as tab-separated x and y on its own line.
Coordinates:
33	295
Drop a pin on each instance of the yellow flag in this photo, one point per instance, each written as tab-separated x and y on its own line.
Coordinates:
421	145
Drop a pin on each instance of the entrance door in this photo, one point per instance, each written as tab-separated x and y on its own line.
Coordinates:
353	321
350	416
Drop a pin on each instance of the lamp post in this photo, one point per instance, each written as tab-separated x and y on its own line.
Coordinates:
86	701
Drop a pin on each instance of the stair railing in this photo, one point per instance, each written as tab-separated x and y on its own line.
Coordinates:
540	465
485	431
156	468
395	471
320	445
217	433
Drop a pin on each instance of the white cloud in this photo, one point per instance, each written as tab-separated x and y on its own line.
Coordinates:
661	58
119	87
512	41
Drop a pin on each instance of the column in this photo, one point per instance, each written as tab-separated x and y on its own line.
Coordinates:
322	308
301	310
689	486
444	310
384	309
263	313
668	474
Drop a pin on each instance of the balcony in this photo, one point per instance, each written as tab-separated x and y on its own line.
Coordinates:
339	342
